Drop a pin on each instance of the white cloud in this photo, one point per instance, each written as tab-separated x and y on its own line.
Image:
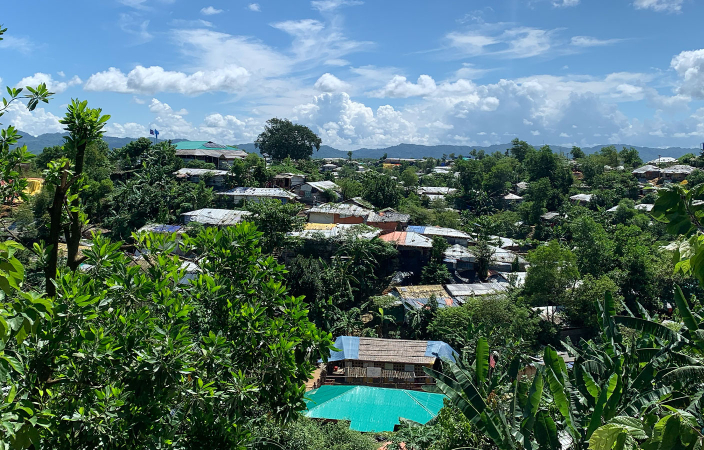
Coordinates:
61	73
331	5
131	130
315	41
196	23
565	3
502	40
254	7
337	62
34	122
155	79
330	83
588	41
213	50
21	44
399	87
210	11
133	26
54	86
690	66
671	6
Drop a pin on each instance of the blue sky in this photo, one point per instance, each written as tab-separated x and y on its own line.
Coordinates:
369	73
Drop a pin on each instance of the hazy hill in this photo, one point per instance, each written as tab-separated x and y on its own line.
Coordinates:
37	144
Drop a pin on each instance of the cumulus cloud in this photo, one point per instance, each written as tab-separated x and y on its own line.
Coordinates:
690	66
54	86
254	7
126	130
399	87
671	6
210	11
34	122
588	41
330	83
150	80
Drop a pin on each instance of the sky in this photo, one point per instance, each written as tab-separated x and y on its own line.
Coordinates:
368	74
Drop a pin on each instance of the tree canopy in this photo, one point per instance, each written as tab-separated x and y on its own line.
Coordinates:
283	139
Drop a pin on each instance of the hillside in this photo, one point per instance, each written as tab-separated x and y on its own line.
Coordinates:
37	144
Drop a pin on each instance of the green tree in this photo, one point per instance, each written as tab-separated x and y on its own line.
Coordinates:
577	153
609	155
275	220
520	149
380	190
281	139
630	157
127	157
552	271
409	178
84	125
592	246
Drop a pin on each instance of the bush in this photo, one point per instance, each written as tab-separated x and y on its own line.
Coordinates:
308	434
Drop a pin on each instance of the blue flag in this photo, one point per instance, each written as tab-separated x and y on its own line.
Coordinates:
156	132
151	132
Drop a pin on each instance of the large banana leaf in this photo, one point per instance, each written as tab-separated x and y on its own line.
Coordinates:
646	326
546	432
534	395
687	375
482	360
556	374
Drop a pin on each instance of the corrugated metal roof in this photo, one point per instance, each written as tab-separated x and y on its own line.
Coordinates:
160	228
338	230
372	409
319	226
435	190
259	192
407	239
475	289
217	217
343	209
323	185
200	172
388	216
439	231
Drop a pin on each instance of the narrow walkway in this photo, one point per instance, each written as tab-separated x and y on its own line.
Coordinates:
313	378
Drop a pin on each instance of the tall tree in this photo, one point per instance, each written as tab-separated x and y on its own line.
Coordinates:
281	139
84	126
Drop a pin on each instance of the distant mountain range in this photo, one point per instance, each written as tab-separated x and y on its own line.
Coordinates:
37	144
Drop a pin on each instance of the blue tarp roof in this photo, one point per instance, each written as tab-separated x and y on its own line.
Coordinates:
349	349
416	229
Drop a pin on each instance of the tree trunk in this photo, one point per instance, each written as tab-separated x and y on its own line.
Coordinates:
55	233
73	239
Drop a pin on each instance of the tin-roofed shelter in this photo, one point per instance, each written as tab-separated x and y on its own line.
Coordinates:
676	174
338	213
372	409
394	363
315	191
646	172
208	151
212	178
581	199
418	296
289	180
216	217
413	248
256	195
451	235
388	220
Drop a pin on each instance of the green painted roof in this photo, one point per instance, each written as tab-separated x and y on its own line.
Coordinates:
372	408
202	145
190	145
